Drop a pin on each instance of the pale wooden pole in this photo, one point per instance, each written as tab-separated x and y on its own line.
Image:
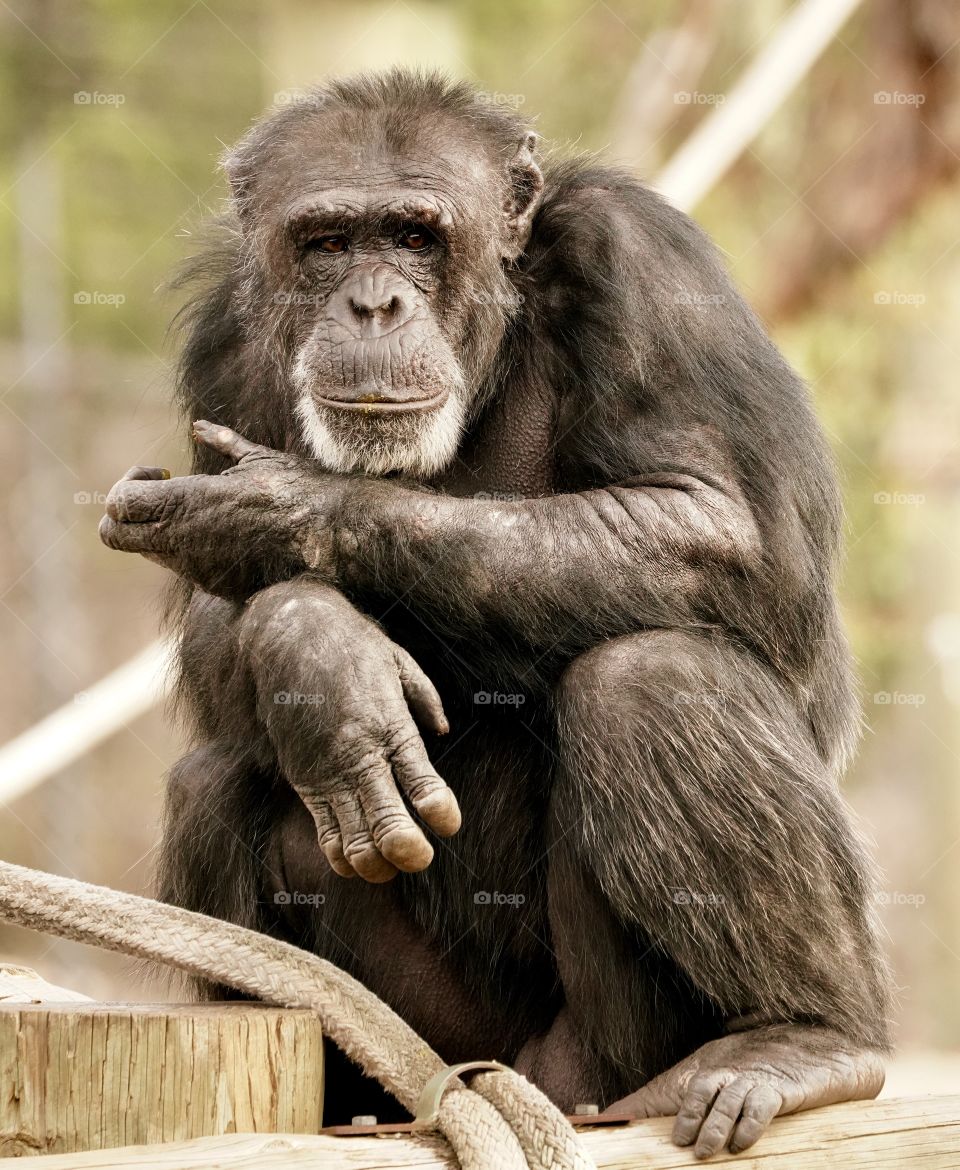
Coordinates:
921	1133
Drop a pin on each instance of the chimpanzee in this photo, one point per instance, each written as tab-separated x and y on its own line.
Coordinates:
507	509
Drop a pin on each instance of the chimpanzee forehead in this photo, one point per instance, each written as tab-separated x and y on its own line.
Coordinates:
366	174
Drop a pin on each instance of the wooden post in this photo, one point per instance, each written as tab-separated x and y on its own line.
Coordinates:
88	1076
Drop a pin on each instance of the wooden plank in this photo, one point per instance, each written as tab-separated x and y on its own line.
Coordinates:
920	1133
87	1076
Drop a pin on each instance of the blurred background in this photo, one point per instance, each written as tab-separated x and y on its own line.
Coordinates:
839	219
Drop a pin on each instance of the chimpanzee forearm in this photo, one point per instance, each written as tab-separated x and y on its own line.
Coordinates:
319	691
555	572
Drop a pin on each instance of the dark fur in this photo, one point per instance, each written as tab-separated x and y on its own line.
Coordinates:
685	714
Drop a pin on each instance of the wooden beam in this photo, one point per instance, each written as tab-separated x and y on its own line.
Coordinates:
88	1076
922	1133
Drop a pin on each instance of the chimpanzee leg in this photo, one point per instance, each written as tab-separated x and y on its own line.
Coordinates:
703	854
215	840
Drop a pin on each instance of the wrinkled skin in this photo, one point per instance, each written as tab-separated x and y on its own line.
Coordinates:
179	522
727	1092
468	440
346	739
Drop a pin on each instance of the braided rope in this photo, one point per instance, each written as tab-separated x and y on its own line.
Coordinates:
501	1122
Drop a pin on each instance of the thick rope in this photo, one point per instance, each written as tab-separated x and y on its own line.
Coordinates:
501	1123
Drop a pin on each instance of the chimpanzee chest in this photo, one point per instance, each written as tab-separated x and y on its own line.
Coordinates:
511	451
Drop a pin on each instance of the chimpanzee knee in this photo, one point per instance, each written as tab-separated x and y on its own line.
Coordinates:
662	666
690	793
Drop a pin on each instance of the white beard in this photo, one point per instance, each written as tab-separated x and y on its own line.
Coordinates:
419	444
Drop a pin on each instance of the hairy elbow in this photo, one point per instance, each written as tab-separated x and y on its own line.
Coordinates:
693	523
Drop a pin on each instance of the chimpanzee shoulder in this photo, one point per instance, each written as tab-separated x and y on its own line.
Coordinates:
631	308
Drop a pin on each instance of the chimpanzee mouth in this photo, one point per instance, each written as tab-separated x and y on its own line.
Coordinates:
403	437
379	402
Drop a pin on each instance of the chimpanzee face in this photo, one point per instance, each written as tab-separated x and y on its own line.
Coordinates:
386	273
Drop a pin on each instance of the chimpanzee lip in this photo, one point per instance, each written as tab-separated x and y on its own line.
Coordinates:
372	404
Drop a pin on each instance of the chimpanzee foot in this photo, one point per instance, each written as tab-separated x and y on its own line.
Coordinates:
727	1092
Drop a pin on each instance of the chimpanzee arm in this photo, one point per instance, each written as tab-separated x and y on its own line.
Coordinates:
656	549
311	687
556	572
698	490
695	486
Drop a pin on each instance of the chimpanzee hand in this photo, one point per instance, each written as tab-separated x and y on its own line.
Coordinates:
261	520
338	699
727	1092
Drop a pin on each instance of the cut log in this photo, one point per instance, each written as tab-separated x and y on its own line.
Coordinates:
89	1076
922	1133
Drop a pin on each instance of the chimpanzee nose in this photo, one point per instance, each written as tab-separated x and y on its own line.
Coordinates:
383	306
377	301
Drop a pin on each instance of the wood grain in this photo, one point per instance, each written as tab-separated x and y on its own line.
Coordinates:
920	1133
93	1075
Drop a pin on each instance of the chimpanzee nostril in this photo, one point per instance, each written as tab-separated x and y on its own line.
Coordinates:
374	306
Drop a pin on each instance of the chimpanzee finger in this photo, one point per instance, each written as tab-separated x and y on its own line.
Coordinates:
718	1128
697	1100
328	831
138	501
394	831
135	538
143	472
761	1106
421	695
359	848
227	442
428	793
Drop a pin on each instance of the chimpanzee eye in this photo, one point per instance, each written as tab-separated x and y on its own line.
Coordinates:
415	238
331	244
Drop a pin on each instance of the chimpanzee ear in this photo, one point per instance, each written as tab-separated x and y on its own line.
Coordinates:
526	191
